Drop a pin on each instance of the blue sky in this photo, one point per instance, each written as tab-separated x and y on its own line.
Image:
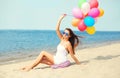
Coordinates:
43	14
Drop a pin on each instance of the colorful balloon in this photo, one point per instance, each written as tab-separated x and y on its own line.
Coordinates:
94	12
75	22
93	3
82	26
77	13
81	2
90	30
85	8
101	12
86	15
89	21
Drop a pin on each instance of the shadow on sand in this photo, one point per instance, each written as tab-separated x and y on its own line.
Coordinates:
108	57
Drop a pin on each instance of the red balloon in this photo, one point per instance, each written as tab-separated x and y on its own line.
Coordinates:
93	3
82	26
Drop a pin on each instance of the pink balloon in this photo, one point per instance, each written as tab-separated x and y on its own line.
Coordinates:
93	3
94	12
77	13
82	26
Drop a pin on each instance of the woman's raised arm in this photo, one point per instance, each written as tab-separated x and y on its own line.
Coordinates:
58	26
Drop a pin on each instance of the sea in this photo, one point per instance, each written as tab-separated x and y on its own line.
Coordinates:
18	45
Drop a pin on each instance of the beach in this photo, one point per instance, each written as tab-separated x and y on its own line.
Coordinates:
30	27
18	45
96	62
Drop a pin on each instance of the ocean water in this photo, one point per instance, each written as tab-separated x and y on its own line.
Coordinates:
24	44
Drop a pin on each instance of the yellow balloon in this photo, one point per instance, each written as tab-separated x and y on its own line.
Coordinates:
75	22
101	12
90	30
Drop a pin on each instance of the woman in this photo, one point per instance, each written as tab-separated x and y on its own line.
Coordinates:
68	42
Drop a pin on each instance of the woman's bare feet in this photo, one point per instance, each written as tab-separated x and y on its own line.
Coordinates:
27	68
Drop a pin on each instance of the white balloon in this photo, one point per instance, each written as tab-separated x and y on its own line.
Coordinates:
85	8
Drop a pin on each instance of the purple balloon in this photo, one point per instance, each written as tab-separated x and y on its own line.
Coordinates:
94	12
77	13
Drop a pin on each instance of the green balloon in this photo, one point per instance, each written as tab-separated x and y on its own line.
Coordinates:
81	2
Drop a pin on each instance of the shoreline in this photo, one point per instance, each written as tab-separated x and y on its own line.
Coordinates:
33	55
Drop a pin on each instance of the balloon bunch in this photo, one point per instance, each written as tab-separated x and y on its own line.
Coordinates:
86	15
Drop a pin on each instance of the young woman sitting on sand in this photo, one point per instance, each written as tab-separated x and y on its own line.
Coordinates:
68	42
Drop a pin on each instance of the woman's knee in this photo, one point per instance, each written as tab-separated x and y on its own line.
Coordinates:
43	52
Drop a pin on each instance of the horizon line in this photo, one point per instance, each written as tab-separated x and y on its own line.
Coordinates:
54	30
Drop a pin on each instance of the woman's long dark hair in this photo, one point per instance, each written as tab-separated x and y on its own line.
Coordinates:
73	38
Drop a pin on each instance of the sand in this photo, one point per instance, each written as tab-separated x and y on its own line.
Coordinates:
96	62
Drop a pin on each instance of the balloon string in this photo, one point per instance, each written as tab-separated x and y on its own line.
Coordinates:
69	15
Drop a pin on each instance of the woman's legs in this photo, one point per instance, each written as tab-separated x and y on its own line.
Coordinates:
46	61
44	57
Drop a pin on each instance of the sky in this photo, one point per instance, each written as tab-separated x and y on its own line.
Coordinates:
44	14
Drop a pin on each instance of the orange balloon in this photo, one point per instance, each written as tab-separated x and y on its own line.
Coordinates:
75	22
101	12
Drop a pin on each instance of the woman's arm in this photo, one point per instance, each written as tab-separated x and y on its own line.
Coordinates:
58	26
72	54
75	45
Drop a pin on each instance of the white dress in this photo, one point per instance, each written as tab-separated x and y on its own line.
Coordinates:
61	54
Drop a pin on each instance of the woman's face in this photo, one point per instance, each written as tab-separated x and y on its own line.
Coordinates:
66	34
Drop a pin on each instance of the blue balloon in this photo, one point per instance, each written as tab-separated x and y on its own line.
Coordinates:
89	21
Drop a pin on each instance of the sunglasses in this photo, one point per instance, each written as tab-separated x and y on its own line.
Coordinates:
66	33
